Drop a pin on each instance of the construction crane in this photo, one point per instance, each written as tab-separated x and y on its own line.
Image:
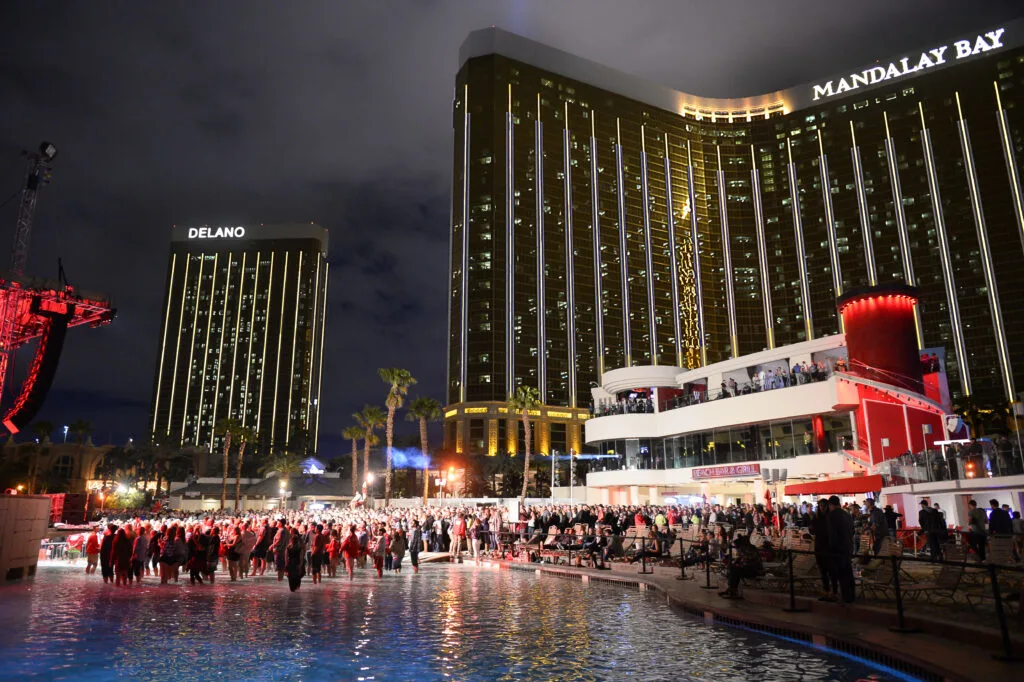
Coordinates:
38	174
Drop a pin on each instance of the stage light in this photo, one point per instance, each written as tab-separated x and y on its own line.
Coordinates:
48	150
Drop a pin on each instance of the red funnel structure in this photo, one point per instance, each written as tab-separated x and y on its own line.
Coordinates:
881	334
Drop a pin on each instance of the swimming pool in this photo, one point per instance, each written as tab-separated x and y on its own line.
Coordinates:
447	623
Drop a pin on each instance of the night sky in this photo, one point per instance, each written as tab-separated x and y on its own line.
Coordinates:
337	112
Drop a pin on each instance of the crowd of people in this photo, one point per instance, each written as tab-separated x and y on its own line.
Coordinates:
296	544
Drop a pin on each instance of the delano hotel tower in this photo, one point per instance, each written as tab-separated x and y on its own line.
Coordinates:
242	333
600	221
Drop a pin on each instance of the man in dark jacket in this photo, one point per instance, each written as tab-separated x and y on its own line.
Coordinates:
840	546
932	528
106	554
999	521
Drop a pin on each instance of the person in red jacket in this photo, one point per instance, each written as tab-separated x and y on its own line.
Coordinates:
92	551
350	549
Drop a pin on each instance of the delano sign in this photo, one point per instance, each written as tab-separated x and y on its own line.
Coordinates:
907	65
216	232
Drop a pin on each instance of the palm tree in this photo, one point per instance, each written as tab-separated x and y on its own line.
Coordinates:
521	402
423	409
400	381
80	430
285	464
42	430
354	433
245	435
227	428
370	419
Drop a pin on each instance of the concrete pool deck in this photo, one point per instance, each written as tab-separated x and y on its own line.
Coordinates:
942	650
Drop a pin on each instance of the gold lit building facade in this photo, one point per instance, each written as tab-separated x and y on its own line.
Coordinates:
600	221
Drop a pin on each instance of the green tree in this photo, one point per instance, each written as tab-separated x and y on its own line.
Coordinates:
370	419
521	402
228	428
354	433
244	435
399	380
423	409
284	463
42	431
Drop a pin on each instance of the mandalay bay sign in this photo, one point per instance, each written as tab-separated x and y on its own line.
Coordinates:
906	66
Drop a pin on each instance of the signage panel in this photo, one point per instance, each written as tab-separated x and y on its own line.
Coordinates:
726	471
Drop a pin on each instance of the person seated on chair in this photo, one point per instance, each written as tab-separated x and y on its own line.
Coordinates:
612	546
651	549
746	563
593	546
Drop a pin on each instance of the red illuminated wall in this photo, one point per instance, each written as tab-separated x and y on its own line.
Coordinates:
881	336
884	415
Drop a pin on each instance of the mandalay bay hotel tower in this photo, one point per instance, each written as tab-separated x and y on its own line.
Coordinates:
601	222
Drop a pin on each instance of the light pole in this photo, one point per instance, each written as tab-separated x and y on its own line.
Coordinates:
885	444
65	433
284	494
926	429
554	459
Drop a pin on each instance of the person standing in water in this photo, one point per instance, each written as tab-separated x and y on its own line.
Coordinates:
295	558
415	541
397	550
350	549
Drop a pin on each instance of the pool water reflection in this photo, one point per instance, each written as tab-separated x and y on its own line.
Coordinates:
447	623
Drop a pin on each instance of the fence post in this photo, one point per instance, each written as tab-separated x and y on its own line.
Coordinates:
1004	630
682	561
643	556
707	567
792	608
901	624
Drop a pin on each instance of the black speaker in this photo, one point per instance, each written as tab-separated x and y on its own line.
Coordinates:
41	371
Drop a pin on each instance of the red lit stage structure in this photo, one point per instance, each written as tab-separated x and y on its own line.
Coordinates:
33	309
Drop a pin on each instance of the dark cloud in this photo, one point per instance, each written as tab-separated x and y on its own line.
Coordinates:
338	112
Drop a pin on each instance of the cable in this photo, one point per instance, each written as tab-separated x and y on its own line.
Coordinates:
10	198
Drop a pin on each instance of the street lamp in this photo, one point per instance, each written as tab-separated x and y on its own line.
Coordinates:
284	493
65	433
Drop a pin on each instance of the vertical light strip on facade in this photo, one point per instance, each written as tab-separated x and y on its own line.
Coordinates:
280	342
220	349
177	341
206	351
862	209
238	327
252	332
510	301
538	181
673	260
901	223
163	344
798	235
830	222
192	347
730	291
695	237
762	251
570	261
266	338
463	308
312	339
623	247
652	328
595	218
295	340
952	300
986	256
320	370
1011	164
